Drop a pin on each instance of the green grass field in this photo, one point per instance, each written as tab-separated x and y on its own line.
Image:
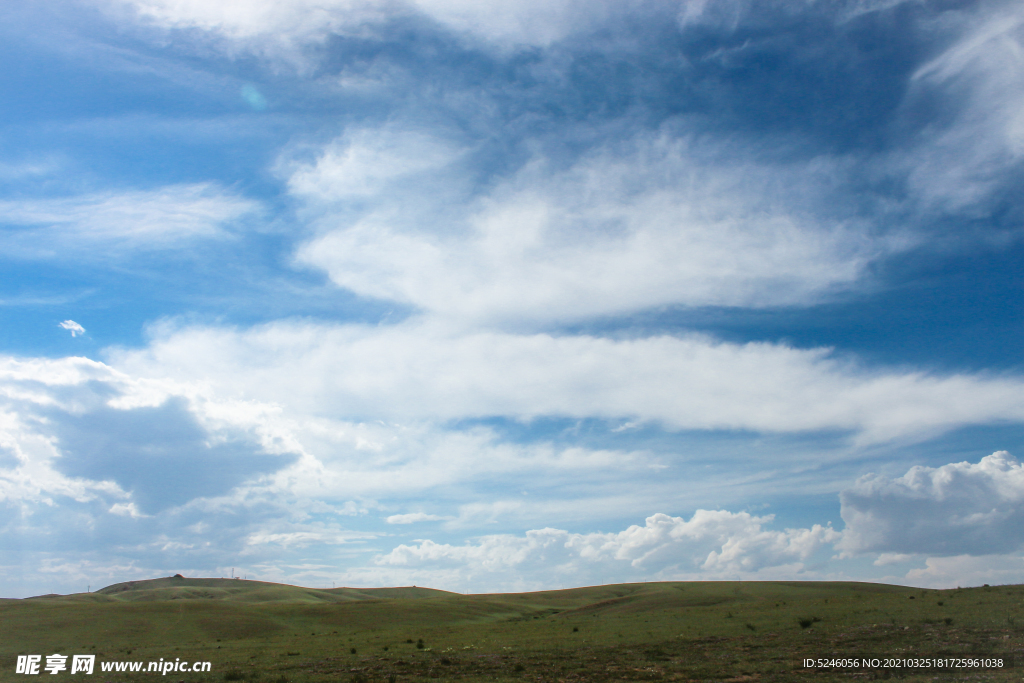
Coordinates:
699	631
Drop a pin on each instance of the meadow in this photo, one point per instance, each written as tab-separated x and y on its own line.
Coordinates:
673	631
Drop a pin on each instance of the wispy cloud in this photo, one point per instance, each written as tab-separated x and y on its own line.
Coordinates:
283	27
169	217
656	221
412	518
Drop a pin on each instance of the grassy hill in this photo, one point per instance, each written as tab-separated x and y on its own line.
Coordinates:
276	633
237	590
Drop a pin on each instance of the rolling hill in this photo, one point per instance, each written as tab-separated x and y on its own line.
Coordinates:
277	633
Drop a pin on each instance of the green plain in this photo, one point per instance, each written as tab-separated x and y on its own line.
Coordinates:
673	631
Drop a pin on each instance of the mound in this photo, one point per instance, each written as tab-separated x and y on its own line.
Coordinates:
178	587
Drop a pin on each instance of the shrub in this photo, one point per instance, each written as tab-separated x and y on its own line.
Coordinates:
419	644
233	675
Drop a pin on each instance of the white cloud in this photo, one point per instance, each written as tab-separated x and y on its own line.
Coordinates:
73	327
55	415
152	219
420	370
312	534
981	77
959	508
38	396
655	221
966	570
278	26
126	509
365	163
712	544
893	558
413	517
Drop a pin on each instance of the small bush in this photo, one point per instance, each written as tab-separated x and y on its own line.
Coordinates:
233	675
352	650
806	623
948	621
419	644
575	629
751	626
518	667
939	603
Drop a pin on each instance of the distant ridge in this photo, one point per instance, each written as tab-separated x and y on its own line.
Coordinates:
238	590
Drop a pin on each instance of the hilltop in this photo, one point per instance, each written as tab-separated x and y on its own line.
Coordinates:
241	590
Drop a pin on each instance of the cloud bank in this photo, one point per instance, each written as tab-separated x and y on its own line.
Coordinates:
420	370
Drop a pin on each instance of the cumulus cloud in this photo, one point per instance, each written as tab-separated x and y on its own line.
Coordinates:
74	328
74	430
419	370
711	544
959	508
81	431
966	570
151	219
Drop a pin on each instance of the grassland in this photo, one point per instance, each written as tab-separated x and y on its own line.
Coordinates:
706	631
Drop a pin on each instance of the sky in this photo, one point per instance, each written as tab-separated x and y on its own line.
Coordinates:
498	297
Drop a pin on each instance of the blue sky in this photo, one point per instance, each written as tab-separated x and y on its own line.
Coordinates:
506	298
